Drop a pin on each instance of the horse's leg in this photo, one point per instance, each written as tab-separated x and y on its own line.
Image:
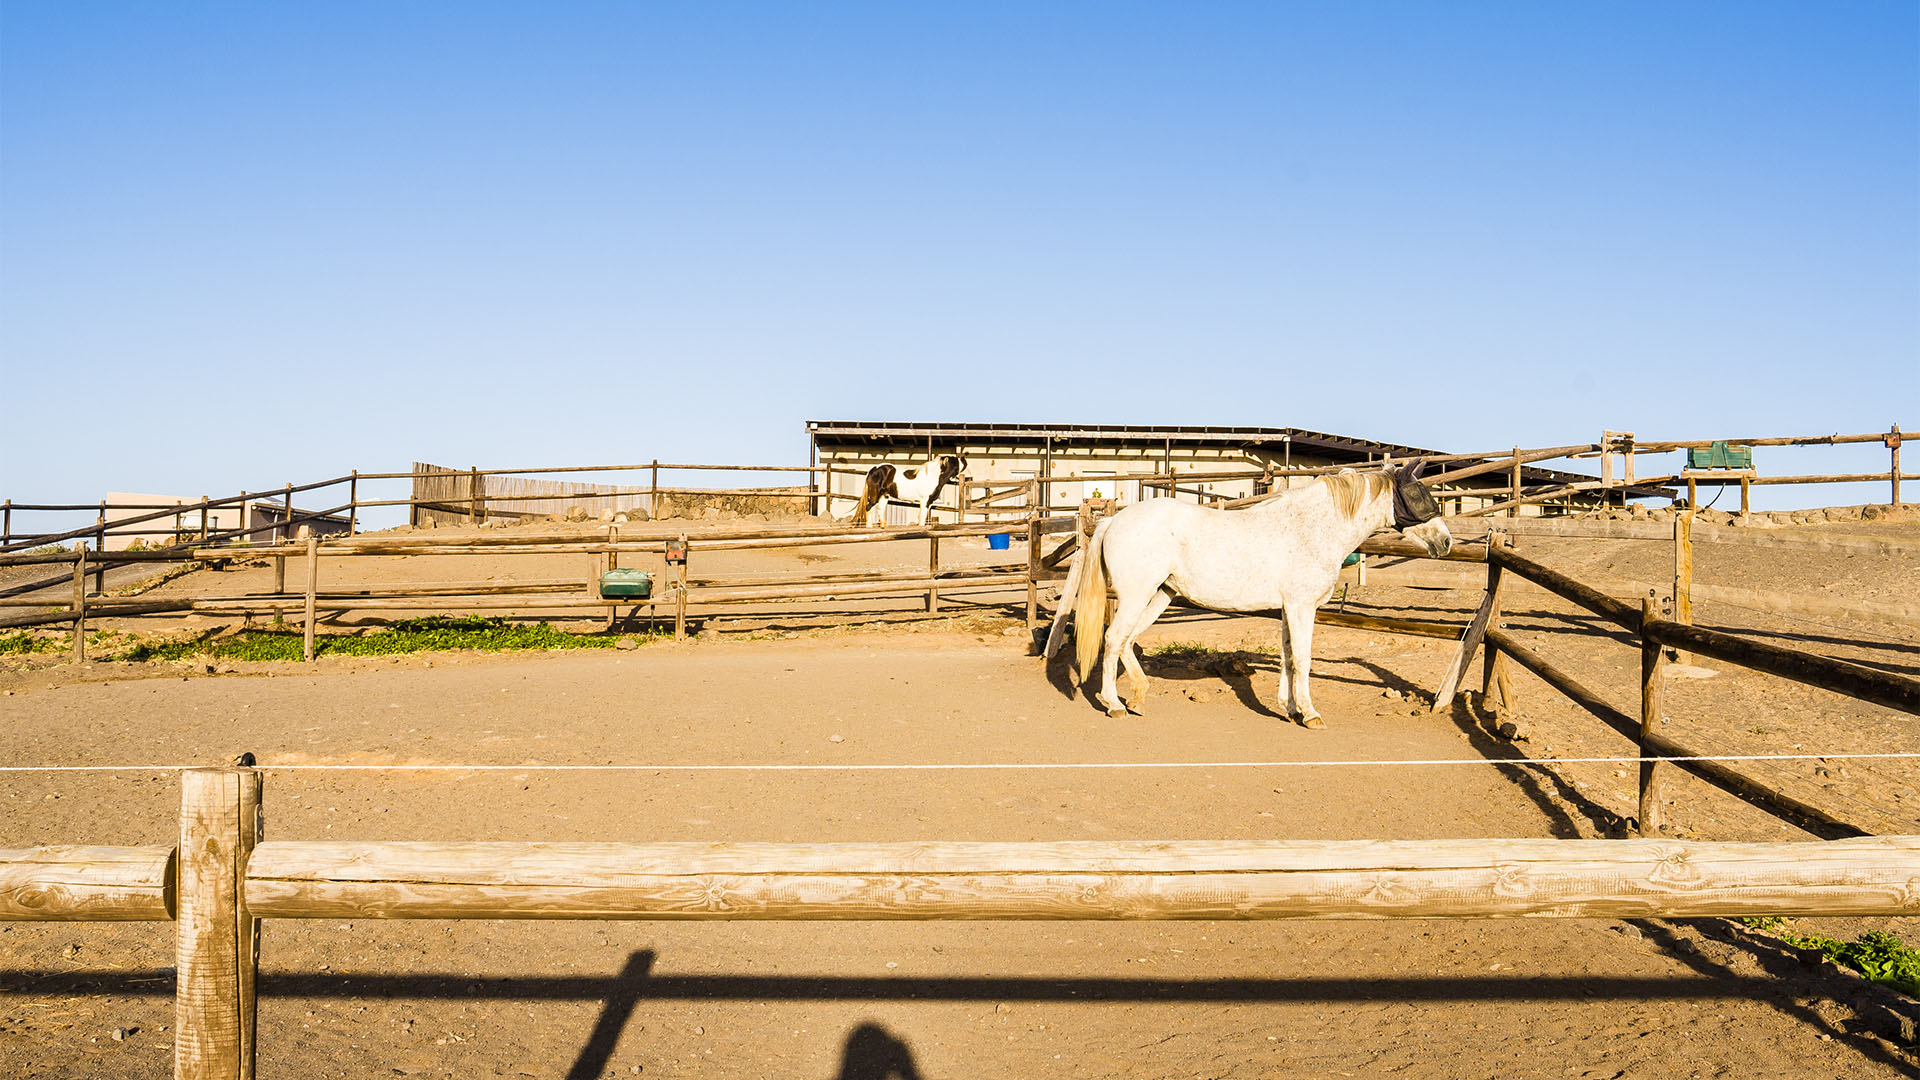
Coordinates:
1300	663
1287	705
1136	675
1126	614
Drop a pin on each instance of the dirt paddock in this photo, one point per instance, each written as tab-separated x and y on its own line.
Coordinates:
865	1001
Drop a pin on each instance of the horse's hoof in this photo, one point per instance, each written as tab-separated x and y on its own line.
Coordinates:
1312	722
1117	711
1137	710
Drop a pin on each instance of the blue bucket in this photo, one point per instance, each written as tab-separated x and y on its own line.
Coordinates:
999	541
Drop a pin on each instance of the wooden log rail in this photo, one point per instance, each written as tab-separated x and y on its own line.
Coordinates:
1083	880
71	883
1853	680
221	879
1719	774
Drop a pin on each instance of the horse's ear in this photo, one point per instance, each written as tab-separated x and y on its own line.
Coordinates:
1418	467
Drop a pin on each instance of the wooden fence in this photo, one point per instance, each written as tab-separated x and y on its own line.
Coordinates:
222	878
1657	635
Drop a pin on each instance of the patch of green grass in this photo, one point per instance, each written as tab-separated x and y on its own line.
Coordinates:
438	633
21	643
1880	956
1180	650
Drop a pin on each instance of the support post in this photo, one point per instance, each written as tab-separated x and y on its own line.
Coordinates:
6	515
80	602
1514	510
217	941
1746	494
313	579
353	503
286	507
1488	615
1652	703
680	597
476	509
1033	558
653	499
933	571
1693	493
1683	575
100	544
203	517
1893	447
279	575
1496	687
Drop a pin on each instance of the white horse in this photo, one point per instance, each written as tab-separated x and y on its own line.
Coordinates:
920	484
1283	554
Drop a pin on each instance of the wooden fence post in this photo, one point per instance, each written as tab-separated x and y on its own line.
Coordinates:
313	579
1893	446
6	515
203	517
680	598
353	503
476	507
100	544
1683	575
280	575
1652	702
933	571
217	941
1033	557
80	602
1472	639
1514	510
653	499
1496	688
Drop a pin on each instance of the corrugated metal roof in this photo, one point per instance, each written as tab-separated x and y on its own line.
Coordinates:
910	430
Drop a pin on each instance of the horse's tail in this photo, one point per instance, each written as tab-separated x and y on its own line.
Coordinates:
1090	604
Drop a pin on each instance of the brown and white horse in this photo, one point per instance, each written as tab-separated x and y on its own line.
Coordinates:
918	484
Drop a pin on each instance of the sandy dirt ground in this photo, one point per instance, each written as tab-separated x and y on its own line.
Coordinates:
864	1001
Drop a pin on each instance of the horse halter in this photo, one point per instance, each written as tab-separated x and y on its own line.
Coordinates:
1413	503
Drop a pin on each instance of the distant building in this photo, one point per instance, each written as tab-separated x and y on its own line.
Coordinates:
266	520
1079	460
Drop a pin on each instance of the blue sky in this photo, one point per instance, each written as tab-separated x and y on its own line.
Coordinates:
257	243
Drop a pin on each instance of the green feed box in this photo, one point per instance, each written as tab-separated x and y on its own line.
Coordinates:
1721	456
637	584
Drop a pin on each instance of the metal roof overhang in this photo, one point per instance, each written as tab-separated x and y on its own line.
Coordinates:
902	431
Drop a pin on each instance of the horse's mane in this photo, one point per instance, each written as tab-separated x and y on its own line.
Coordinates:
1350	489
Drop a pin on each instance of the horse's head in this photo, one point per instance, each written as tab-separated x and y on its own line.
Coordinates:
951	466
1415	512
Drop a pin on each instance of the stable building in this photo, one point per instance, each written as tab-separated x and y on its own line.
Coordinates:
1135	462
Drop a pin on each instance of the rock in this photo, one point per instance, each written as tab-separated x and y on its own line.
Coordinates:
577	514
1631	933
1199	697
120	1033
621	518
606	517
836	738
626	643
1515	731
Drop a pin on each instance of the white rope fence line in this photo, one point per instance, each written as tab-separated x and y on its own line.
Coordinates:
959	767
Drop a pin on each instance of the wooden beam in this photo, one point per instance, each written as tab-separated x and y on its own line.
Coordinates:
1839	676
1084	879
1567	588
73	883
1803	814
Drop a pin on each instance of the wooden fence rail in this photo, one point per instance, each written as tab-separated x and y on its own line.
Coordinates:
1656	636
221	879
